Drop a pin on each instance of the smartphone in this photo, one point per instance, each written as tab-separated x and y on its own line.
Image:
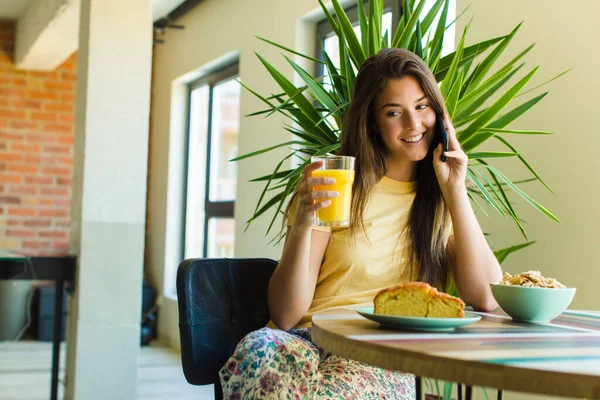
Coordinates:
441	133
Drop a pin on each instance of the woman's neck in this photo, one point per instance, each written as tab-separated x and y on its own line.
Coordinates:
402	170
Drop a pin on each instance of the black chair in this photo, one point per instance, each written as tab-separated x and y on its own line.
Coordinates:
220	301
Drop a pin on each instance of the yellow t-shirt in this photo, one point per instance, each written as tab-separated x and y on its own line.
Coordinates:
354	272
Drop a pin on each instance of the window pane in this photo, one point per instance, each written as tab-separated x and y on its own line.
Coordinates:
224	140
196	179
221	237
332	47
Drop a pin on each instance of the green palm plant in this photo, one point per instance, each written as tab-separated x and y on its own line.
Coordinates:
315	109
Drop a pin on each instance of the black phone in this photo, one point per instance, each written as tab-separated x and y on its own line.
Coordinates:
441	133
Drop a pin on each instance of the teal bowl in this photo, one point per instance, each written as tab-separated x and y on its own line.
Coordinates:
532	304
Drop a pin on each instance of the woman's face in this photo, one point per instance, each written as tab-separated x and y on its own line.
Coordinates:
405	119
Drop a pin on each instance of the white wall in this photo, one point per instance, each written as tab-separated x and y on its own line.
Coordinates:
565	35
215	29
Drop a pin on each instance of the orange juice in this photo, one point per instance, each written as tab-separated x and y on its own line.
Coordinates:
338	212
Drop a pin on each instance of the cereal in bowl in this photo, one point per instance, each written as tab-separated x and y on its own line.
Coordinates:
530	279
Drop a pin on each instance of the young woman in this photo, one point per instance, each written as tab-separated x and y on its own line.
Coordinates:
411	219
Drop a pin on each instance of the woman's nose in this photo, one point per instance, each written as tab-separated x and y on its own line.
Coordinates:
410	121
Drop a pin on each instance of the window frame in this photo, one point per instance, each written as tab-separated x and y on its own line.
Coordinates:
212	209
324	30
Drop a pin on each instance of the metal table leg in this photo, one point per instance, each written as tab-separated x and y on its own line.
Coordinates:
468	392
58	302
418	388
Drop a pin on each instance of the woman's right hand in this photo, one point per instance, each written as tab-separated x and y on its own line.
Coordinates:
311	197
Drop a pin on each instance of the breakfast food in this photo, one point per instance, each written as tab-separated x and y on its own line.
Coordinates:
530	279
418	299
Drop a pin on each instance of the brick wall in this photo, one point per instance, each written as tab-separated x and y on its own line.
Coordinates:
36	153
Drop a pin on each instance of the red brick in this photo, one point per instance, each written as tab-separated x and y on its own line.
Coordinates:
64	181
10	114
43	74
58	107
13	222
5	80
5	156
51	191
19	82
57	149
24	125
56	171
4	178
65	160
23	168
20	233
53	213
53	234
41	223
68	76
68	97
5	55
10	200
29	104
24	212
22	189
60	128
66	139
51	85
62	202
33	159
43	116
41	137
69	118
61	246
42	95
44	201
39	180
12	92
35	244
10	136
27	148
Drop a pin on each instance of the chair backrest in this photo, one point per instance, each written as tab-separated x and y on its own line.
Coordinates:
220	301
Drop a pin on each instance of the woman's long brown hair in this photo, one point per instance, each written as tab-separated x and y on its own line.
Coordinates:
428	220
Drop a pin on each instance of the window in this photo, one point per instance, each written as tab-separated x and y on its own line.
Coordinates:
210	181
392	12
328	40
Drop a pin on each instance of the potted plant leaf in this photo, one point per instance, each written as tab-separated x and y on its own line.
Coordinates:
469	78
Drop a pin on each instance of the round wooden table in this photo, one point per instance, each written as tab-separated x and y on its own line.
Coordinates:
561	358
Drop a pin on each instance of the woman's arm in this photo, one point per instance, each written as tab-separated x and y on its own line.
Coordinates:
293	283
472	263
292	286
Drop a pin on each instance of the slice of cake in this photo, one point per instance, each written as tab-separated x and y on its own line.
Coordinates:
418	299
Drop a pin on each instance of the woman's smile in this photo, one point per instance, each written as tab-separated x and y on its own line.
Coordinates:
415	139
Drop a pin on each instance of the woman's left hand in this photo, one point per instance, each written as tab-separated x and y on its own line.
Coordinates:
452	173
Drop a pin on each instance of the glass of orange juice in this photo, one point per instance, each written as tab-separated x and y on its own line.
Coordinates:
340	168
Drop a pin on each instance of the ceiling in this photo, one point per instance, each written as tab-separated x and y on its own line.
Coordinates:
12	9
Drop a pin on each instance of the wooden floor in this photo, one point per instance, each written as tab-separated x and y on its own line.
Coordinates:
25	373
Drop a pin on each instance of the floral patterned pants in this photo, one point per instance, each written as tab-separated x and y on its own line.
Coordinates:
274	364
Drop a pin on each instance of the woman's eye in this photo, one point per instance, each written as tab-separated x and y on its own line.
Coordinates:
422	106
393	113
